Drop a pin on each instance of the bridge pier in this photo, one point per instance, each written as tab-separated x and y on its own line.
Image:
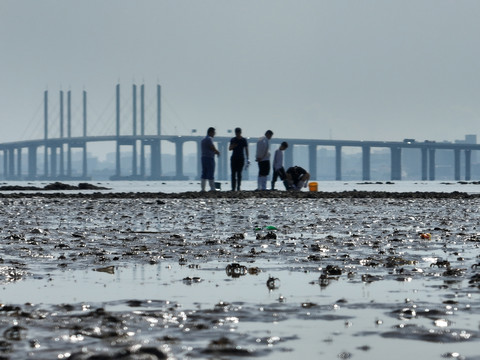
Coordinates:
5	163
8	163
19	163
53	162
338	162
396	163
134	159
45	160
117	160
11	163
62	162
84	164
456	164
142	160
431	164
288	156
32	162
179	160
366	163
312	160
155	160
199	162
468	164
69	161
222	172
134	132
424	163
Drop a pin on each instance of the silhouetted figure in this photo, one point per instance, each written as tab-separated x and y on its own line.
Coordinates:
278	170
208	160
296	178
263	159
239	148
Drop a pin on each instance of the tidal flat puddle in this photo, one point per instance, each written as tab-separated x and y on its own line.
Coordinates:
202	311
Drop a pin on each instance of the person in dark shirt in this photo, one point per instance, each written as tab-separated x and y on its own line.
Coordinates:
278	170
239	148
296	178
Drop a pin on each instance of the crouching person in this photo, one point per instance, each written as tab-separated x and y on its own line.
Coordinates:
296	178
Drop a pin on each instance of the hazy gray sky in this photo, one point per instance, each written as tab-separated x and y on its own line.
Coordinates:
371	70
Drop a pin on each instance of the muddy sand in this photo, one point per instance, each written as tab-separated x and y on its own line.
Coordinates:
268	275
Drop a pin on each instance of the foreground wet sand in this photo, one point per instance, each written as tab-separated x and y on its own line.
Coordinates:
273	275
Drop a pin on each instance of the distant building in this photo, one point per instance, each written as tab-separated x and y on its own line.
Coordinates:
469	139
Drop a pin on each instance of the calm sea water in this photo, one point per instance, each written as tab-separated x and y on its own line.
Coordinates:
329	186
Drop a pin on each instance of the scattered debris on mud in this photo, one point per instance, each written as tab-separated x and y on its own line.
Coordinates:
224	275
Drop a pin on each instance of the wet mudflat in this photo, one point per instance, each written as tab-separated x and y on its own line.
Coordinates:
221	277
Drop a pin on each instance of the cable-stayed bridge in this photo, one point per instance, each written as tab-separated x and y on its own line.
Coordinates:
145	150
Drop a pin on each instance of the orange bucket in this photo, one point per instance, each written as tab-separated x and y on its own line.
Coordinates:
313	186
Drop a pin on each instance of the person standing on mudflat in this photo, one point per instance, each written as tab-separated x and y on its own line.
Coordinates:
208	160
263	159
239	148
278	170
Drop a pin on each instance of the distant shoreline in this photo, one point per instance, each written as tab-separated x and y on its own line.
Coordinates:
88	190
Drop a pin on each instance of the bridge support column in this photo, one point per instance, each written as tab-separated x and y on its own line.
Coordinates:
53	161
62	161
456	164
84	163
338	162
117	160
134	132
431	164
468	164
45	161
19	163
199	159
69	161
117	132
312	160
179	160
142	160
5	163
32	162
155	160
424	163
223	161
134	158
11	163
396	163
366	162
288	156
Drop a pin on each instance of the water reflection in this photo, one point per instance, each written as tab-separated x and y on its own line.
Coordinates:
183	278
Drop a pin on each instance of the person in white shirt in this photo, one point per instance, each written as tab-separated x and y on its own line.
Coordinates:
263	159
278	170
